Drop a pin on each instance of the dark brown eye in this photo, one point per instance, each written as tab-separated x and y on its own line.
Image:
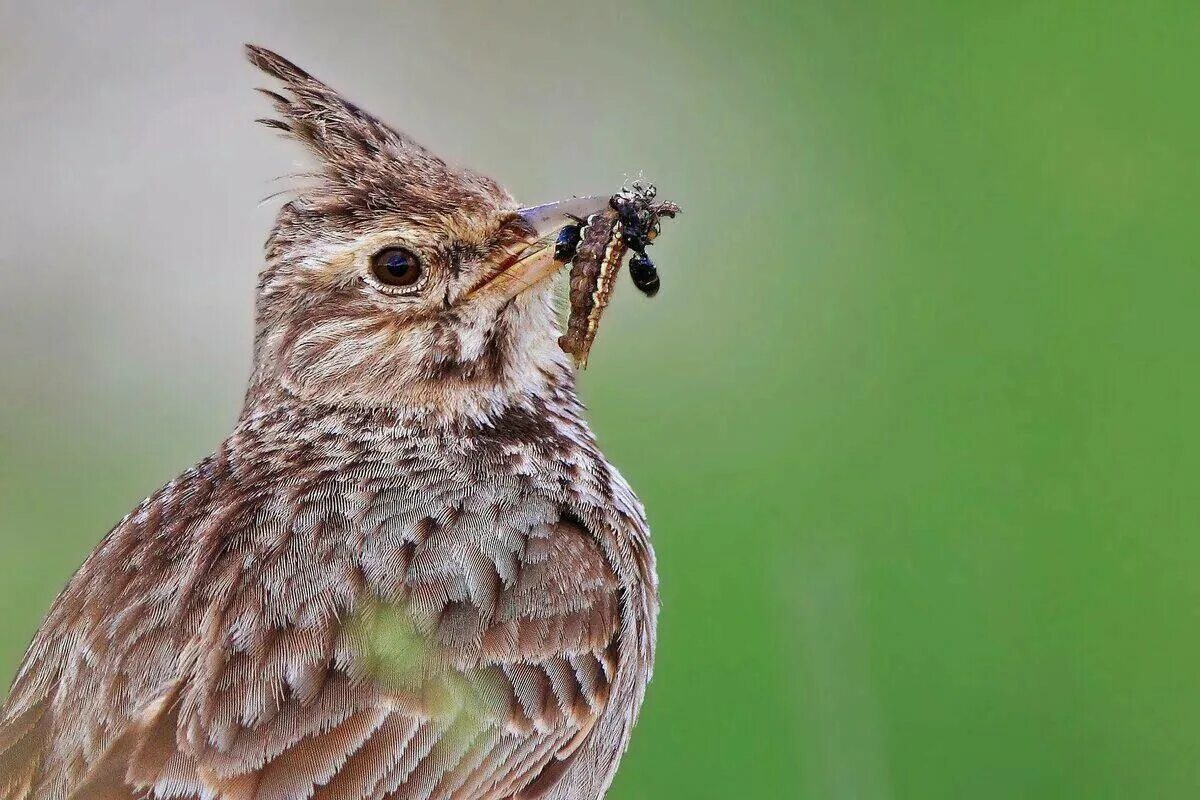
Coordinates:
396	266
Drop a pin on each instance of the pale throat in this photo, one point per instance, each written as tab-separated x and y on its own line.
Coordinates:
474	387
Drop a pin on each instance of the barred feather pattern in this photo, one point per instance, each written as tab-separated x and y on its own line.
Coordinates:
208	647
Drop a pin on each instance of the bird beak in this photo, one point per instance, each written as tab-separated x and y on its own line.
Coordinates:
531	259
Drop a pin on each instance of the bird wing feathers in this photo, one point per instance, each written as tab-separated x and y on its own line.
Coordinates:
338	654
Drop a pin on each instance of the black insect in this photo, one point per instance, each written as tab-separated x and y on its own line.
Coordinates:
568	240
639	217
643	273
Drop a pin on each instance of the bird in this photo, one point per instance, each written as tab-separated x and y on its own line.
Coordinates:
409	572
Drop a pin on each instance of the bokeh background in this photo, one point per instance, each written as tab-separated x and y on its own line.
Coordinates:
914	415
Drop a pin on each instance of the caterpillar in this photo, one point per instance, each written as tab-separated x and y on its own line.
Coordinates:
595	248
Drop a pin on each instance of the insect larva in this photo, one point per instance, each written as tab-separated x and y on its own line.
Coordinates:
595	247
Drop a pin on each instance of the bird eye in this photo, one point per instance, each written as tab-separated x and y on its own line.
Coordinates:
396	266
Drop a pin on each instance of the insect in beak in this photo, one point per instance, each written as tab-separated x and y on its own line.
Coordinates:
532	259
595	246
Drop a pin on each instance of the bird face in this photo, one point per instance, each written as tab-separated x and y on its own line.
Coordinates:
439	312
397	280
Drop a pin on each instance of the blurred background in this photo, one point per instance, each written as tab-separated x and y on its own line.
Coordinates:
913	416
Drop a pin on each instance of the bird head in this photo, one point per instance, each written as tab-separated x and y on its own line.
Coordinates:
396	280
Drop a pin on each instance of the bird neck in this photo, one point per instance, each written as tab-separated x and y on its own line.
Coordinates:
549	392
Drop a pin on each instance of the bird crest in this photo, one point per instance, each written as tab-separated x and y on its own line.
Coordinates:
365	165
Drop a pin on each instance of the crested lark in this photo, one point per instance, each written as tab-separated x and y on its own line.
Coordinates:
409	572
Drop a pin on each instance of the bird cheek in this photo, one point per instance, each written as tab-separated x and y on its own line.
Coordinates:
457	284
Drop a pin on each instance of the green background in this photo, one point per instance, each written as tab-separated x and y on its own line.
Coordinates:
913	415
